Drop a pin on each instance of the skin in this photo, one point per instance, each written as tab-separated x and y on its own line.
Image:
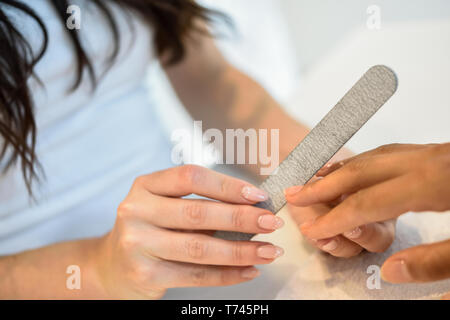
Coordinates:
378	186
160	240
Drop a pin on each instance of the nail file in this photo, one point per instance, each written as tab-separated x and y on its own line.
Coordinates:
363	100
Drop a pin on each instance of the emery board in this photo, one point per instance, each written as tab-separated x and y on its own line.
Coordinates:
363	100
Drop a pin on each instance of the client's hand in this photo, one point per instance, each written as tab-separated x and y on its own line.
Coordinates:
378	186
161	240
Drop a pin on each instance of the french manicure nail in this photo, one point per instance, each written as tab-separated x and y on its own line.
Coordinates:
250	273
396	272
270	252
354	234
330	246
293	190
270	222
254	194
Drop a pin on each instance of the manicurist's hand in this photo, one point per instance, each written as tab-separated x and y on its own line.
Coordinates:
375	187
161	240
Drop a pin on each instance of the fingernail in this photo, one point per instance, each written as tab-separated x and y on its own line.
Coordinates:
250	273
396	272
254	194
292	190
270	222
326	167
354	234
330	246
270	252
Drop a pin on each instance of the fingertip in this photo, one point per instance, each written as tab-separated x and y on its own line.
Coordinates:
270	222
292	191
254	194
396	271
294	196
250	273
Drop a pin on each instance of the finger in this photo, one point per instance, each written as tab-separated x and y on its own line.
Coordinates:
374	237
381	202
207	215
179	275
190	179
446	297
339	246
383	150
336	246
352	177
302	215
202	249
430	262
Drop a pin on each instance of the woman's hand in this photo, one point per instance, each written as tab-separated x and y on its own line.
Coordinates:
162	241
378	186
374	237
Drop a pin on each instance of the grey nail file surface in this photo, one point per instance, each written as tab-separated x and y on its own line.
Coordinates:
363	100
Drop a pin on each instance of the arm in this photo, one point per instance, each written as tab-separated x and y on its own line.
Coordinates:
160	240
41	273
222	97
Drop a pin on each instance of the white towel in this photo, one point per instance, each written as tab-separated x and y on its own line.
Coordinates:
322	276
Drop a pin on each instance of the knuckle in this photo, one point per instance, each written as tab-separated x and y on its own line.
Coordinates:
354	207
224	186
191	175
194	213
195	248
143	275
126	210
237	255
128	242
355	200
237	217
357	166
224	277
199	276
139	181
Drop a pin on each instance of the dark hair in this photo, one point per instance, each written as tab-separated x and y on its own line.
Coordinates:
173	21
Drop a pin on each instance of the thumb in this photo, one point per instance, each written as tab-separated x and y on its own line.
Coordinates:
423	263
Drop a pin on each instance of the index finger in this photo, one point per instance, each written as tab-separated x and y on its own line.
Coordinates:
354	176
190	179
381	202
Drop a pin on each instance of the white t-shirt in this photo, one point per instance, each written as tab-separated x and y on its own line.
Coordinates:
91	145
